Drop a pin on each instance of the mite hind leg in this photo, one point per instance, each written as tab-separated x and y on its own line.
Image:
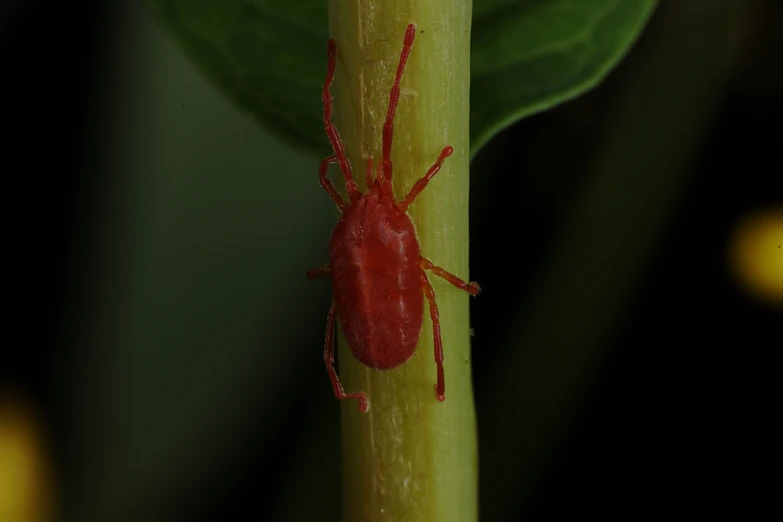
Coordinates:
339	392
429	293
472	288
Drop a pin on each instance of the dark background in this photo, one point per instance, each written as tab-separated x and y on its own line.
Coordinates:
170	345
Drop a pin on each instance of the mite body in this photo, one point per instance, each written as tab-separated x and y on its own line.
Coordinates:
378	273
374	255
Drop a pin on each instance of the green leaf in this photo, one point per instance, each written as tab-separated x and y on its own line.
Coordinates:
526	56
267	57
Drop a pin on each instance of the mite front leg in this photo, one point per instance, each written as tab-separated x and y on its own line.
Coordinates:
329	360
429	292
422	183
472	288
394	98
331	130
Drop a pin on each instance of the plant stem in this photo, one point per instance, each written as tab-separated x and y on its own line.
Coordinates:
411	457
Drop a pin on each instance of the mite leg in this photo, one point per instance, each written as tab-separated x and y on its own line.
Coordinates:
326	183
329	360
419	185
429	292
319	271
331	130
472	288
394	98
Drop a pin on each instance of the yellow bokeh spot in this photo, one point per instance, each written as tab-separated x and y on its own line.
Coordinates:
24	495
756	254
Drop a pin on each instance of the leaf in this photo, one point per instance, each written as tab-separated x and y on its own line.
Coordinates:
526	56
267	57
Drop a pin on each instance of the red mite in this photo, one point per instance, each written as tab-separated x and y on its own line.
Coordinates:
374	256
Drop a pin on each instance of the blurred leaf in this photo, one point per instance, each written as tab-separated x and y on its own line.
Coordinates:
527	56
640	167
531	55
268	57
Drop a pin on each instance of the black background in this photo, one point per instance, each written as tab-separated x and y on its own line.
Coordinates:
680	424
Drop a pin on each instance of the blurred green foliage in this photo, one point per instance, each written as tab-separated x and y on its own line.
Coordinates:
201	231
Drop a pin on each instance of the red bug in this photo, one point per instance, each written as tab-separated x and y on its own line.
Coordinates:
374	256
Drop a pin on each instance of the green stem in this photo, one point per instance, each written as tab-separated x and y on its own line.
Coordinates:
411	457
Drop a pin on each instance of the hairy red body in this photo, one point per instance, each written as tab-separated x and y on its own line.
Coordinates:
374	255
378	278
